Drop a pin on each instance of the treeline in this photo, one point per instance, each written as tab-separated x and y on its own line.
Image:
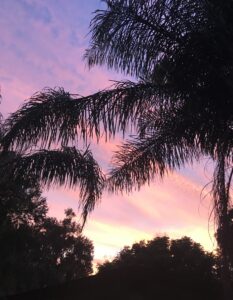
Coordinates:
166	269
158	269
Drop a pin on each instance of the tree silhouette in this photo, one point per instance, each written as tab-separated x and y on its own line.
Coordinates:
180	53
163	268
158	269
36	250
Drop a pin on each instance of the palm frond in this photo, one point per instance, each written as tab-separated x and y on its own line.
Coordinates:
68	167
132	36
54	116
201	129
138	161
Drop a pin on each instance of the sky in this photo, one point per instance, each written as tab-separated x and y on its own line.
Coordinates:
42	43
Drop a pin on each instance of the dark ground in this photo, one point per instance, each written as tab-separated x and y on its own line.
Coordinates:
115	287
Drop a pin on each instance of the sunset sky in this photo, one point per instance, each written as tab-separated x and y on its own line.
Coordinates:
42	45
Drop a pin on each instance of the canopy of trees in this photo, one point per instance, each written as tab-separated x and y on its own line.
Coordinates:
37	250
166	269
158	269
176	256
182	256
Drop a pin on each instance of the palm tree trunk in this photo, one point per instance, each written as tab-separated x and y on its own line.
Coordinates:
221	196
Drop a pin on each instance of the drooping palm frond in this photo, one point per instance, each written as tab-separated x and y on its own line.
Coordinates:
132	36
167	137
54	116
66	167
139	160
204	129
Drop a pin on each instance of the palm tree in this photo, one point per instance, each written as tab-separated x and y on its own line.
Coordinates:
180	105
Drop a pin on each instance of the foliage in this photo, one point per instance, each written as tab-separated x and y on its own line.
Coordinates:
64	165
180	53
37	250
158	269
160	254
179	267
